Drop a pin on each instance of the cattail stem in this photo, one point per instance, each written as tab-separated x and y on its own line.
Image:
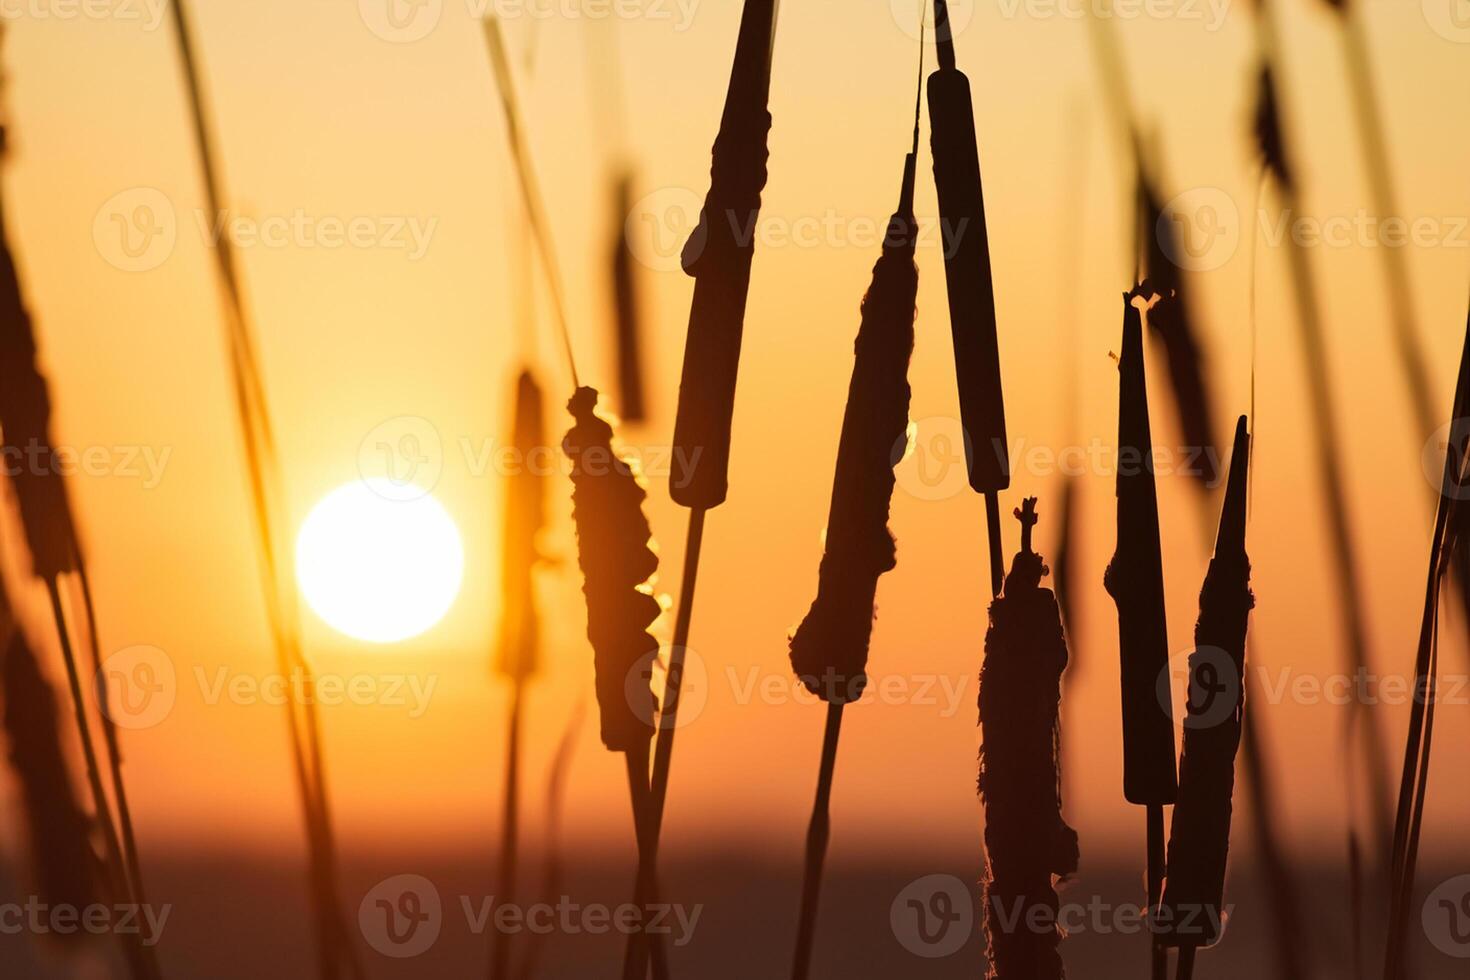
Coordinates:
643	947
500	944
997	543
1159	956
110	741
663	755
1186	964
142	961
817	836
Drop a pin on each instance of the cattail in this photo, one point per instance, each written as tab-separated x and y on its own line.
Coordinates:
829	650
719	260
627	309
1135	580
66	866
525	516
968	280
613	551
1190	913
1028	845
616	561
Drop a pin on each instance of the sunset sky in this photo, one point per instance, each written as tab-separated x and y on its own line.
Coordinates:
327	113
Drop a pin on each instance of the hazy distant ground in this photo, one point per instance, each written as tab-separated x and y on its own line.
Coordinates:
238	918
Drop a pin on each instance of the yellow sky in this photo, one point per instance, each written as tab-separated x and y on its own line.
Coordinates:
321	117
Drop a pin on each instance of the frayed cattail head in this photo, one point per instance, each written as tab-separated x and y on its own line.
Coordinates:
66	868
1190	913
525	515
829	650
616	561
627	309
1135	580
1028	845
25	416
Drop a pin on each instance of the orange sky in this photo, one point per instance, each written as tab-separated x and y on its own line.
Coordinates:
319	116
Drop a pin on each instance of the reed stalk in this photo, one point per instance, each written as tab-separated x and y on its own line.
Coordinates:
1135	580
1449	527
1362	725
336	951
829	650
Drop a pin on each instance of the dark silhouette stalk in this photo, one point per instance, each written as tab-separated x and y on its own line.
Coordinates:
1190	914
718	257
819	832
1135	580
1449	527
613	539
829	650
969	285
1028	846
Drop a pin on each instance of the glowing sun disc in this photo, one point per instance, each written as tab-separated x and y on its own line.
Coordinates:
378	567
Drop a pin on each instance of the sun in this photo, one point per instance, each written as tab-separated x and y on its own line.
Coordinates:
376	566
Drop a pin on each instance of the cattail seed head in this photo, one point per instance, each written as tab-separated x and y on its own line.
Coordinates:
1199	840
1135	580
616	561
1027	843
